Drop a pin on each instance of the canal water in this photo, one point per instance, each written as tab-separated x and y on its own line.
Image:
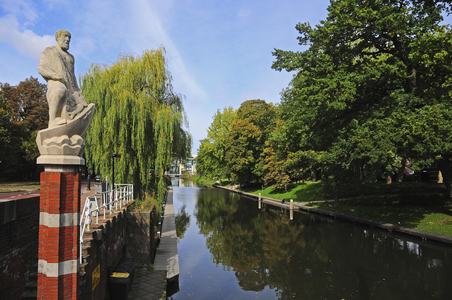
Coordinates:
230	249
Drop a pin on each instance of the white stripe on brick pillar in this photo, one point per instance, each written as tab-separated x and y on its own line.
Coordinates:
58	269
58	220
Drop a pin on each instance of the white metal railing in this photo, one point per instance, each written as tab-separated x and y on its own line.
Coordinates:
121	195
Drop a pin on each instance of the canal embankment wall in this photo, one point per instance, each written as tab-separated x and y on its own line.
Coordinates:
19	231
301	206
103	246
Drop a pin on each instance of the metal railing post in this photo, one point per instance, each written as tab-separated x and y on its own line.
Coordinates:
122	192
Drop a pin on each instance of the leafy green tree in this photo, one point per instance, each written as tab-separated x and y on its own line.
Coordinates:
205	161
211	160
372	85
244	151
276	174
182	220
245	144
5	121
139	116
26	112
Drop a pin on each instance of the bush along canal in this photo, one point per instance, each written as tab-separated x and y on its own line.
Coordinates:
230	249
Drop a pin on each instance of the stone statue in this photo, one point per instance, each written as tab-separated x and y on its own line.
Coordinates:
57	68
69	114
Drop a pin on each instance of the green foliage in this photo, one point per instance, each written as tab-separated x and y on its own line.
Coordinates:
243	150
23	111
245	143
274	173
139	116
182	222
204	181
211	153
5	123
303	192
373	85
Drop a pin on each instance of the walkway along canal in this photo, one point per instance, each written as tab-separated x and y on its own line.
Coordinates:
230	249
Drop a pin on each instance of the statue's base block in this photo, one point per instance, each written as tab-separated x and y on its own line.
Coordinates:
60	163
59	234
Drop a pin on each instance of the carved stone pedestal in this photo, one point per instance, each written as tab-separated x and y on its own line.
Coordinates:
58	255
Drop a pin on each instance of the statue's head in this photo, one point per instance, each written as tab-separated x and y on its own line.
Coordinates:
63	38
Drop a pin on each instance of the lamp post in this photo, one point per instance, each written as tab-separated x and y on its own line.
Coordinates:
89	182
113	177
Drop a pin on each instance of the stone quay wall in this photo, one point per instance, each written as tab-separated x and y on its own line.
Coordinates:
142	236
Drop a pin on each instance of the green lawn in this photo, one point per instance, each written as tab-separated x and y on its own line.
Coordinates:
203	181
432	218
11	187
303	192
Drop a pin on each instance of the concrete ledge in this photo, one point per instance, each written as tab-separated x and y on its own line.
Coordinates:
420	234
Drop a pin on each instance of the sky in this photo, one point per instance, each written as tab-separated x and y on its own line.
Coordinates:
219	52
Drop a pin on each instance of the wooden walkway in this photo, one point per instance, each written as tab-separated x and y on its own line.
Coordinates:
166	257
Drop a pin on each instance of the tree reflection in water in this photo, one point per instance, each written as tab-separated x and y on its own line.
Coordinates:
182	222
316	258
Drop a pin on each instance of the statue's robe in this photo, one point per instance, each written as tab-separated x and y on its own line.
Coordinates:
55	60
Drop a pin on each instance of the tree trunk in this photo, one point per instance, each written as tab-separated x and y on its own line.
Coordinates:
446	171
388	179
401	171
357	175
336	200
313	175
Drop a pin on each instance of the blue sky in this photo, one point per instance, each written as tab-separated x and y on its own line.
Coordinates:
219	52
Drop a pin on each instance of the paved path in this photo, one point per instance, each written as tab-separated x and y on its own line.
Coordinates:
32	193
149	285
166	257
4	197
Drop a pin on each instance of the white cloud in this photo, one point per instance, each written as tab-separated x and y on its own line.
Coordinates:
20	8
150	29
243	13
26	41
56	3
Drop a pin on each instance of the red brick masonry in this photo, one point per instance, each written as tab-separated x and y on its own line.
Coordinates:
58	262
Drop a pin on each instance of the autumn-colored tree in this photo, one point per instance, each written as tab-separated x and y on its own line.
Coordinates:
28	101
243	151
245	144
275	175
27	113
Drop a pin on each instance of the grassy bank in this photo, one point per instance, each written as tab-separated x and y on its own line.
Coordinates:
420	206
437	219
12	187
203	181
303	192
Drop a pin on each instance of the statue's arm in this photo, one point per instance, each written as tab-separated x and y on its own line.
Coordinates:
45	70
48	74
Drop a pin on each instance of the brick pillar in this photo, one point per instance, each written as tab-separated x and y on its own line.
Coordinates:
58	263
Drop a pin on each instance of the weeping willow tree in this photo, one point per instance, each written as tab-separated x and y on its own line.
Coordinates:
139	116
